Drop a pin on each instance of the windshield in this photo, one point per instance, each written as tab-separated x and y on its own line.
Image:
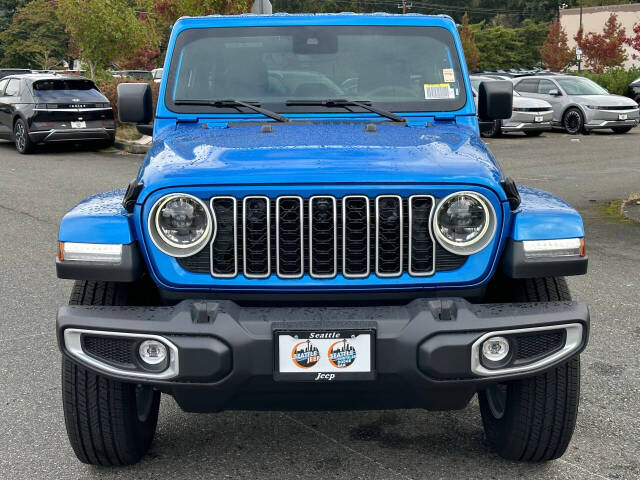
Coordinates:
397	68
580	86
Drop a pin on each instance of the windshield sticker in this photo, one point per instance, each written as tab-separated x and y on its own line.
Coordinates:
438	91
448	76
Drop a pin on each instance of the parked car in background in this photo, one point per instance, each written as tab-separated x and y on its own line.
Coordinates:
5	72
38	109
134	75
634	90
579	104
530	116
157	74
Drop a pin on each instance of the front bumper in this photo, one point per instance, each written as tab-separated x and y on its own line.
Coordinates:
426	353
527	127
604	124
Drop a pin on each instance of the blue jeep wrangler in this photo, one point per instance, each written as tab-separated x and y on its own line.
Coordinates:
319	226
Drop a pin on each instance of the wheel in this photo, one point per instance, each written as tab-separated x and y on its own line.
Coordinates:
573	121
533	133
108	422
21	138
621	129
533	419
493	131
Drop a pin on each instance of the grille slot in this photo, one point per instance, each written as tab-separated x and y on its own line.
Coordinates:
421	251
389	236
533	345
224	248
323	237
116	351
289	238
256	236
356	236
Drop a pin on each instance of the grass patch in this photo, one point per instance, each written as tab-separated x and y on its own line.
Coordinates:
127	132
613	211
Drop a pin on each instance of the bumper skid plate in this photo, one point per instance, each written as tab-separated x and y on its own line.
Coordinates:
423	354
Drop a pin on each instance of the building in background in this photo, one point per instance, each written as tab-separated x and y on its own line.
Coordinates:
594	18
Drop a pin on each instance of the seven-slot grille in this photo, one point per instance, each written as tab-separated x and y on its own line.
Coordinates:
322	236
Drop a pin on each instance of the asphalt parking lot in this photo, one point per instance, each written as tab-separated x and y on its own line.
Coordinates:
589	171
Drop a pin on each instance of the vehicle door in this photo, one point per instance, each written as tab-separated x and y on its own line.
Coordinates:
10	97
4	128
549	91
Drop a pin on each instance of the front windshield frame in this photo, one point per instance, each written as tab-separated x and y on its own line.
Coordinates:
422	106
596	89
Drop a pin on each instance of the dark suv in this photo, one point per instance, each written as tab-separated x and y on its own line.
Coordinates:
37	109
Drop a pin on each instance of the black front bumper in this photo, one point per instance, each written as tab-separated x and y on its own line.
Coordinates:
423	350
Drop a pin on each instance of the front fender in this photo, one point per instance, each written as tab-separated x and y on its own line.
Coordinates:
542	216
101	219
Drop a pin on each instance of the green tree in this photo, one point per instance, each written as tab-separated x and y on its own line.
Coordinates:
35	39
102	31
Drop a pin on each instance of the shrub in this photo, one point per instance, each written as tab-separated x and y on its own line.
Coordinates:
616	80
109	88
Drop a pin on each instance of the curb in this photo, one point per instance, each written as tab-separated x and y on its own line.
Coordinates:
630	209
131	147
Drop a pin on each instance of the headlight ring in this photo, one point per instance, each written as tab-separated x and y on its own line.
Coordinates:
480	238
189	211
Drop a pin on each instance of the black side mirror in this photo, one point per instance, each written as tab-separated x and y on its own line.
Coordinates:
495	100
135	104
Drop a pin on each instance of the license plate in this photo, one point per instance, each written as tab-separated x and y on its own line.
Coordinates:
623	116
324	356
538	119
78	124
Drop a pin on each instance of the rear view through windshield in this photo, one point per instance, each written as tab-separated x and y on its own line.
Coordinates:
60	84
398	68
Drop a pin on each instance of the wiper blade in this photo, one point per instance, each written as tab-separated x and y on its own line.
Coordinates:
348	103
234	103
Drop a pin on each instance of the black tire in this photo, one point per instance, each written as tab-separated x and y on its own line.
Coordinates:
621	129
573	121
23	143
492	132
533	419
533	133
108	423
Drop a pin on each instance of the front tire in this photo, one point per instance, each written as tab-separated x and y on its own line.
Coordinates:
533	419
494	131
23	143
573	121
108	422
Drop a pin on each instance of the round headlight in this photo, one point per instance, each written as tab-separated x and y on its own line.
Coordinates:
464	223
180	225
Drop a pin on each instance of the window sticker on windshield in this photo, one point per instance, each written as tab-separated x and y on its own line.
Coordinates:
448	75
438	91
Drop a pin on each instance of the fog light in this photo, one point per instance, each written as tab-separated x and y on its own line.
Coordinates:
495	349
152	352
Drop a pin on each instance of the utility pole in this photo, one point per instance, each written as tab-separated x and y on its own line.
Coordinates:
404	6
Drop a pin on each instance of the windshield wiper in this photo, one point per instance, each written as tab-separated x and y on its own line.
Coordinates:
234	103
338	102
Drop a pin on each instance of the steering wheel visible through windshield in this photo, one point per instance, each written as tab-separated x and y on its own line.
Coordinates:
398	68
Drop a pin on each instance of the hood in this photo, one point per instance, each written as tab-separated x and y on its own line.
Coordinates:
604	100
527	102
306	153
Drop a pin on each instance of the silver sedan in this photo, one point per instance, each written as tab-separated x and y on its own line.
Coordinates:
581	105
530	116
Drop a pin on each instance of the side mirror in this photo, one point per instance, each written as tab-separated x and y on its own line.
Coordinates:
495	100
555	92
135	104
